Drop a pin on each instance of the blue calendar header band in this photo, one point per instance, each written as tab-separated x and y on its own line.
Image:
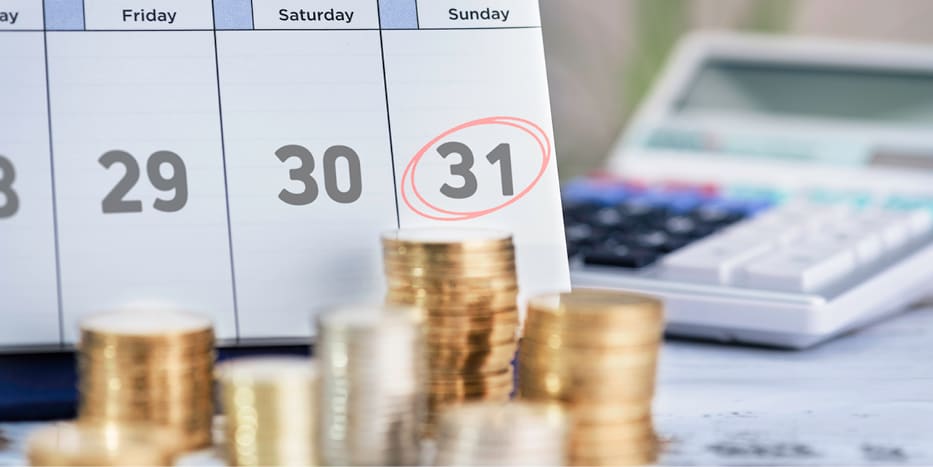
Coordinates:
238	15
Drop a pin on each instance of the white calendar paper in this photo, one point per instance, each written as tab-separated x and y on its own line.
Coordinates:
240	158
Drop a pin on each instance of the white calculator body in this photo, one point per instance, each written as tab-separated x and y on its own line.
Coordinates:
774	191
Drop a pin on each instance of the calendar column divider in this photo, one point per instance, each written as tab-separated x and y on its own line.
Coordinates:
385	84
48	109
223	151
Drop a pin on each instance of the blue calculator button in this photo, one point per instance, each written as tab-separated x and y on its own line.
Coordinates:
584	190
907	203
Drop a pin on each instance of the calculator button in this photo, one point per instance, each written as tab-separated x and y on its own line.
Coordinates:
893	228
608	217
620	256
715	259
680	225
799	271
867	245
920	222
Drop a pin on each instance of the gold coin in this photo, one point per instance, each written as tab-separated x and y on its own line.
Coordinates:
546	357
447	239
424	272
479	317
441	401
178	411
444	380
584	413
616	433
608	447
558	335
638	458
583	307
498	335
550	385
450	353
467	310
457	264
443	261
139	372
452	284
147	325
103	444
494	299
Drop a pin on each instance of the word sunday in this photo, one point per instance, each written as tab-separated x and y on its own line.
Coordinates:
9	16
149	16
331	15
487	14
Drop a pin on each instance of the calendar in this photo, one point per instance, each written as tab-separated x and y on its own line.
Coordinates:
240	158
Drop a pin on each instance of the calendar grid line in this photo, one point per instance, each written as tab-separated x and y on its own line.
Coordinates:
48	108
223	155
252	14
269	29
385	84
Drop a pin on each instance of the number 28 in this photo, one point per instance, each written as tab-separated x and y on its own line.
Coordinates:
7	176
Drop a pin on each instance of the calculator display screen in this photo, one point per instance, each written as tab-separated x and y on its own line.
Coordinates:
895	97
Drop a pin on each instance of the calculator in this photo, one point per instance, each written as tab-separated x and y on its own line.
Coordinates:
773	191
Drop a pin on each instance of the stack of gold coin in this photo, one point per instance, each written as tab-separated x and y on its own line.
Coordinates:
490	433
596	352
148	365
464	282
269	404
372	366
92	444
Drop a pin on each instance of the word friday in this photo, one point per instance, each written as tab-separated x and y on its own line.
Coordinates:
149	16
326	15
9	16
487	14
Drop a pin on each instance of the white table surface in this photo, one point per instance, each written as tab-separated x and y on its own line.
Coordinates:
862	399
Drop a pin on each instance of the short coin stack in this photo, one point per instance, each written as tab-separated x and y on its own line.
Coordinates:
269	404
94	444
372	366
596	352
149	366
465	284
488	433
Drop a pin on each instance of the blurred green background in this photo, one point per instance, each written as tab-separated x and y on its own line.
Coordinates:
603	55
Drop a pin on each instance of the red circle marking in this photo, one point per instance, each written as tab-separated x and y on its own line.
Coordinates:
409	173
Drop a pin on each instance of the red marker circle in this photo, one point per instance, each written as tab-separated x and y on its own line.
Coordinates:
435	212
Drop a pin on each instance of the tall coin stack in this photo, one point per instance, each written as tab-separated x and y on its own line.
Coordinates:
270	408
596	352
148	366
465	284
372	367
484	433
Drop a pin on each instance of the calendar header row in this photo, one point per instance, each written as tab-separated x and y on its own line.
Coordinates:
145	15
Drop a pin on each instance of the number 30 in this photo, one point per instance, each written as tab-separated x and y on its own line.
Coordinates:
303	174
7	177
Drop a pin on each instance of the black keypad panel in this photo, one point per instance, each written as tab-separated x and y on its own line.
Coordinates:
631	226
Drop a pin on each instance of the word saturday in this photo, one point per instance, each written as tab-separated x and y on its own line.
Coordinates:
331	15
487	14
9	16
149	16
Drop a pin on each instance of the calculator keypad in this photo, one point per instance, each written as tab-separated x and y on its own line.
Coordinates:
689	235
632	227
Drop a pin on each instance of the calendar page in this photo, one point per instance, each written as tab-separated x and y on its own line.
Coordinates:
240	158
